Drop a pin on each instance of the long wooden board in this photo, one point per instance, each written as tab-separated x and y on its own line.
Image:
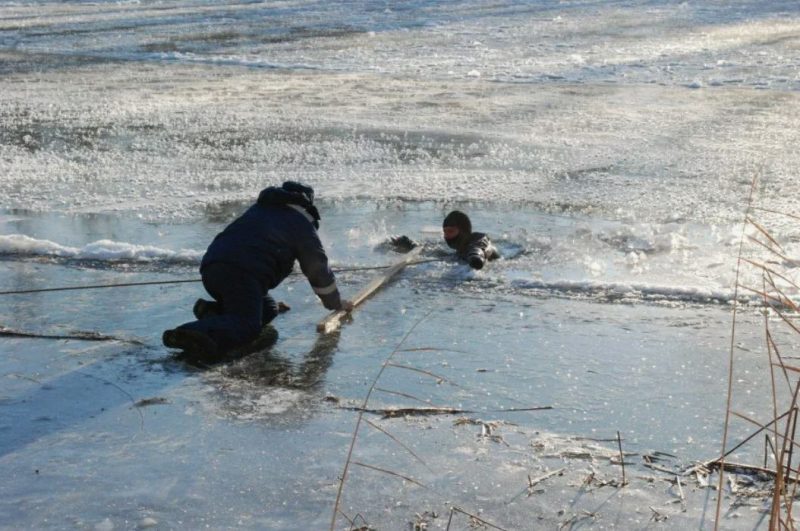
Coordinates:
333	319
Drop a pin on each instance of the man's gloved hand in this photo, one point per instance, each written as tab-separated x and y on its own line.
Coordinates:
475	262
402	244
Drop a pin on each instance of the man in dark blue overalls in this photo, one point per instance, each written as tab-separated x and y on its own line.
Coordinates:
251	256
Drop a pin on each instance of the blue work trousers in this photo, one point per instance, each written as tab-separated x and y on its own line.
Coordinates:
243	307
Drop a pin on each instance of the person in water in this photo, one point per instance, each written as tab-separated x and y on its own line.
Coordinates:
473	247
251	256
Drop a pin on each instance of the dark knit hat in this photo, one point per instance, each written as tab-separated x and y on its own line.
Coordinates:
456	218
460	220
291	193
295	187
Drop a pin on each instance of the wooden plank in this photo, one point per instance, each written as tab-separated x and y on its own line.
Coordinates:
333	319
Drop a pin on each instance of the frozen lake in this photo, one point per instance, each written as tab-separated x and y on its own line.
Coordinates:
607	148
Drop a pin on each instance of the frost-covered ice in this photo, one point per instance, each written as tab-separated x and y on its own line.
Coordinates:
101	250
607	147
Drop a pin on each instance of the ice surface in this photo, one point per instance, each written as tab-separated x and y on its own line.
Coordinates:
607	148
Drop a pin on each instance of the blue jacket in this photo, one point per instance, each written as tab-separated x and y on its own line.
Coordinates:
266	240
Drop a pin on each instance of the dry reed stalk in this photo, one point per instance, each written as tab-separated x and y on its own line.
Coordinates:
391	473
790	496
762	427
621	458
394	412
437	349
770	270
729	397
772	346
781	473
767	447
786	320
788	301
404	395
781	302
361	416
771	250
770	350
659	468
743	468
533	482
438	378
771	211
352	522
476	518
764	231
680	492
784	438
392	437
771	293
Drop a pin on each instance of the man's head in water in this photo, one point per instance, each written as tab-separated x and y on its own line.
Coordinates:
457	229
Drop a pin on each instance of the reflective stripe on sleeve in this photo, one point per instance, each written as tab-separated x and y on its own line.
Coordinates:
302	211
327	290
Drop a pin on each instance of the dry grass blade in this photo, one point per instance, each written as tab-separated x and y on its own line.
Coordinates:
476	518
785	299
389	472
787	367
621	459
765	296
404	395
394	412
360	418
680	492
786	320
788	468
436	349
350	521
764	231
770	270
535	408
773	251
742	468
771	211
78	335
654	466
750	420
405	447
749	438
762	427
533	482
773	347
731	349
775	297
783	470
437	377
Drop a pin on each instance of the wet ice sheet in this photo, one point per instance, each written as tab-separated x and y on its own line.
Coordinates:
120	435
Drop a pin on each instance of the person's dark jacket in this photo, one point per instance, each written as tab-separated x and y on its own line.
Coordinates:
266	240
477	250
